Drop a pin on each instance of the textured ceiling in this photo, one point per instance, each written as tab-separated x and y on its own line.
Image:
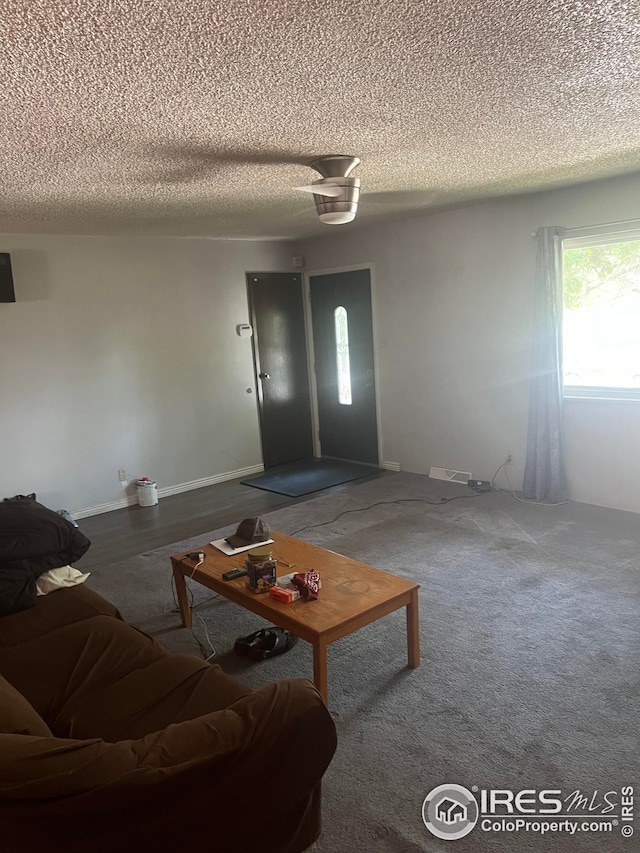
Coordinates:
194	118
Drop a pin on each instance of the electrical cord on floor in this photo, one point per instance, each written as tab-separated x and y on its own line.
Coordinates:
203	649
192	607
440	502
199	642
493	479
512	490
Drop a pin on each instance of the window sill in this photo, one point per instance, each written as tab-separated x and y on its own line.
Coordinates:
598	395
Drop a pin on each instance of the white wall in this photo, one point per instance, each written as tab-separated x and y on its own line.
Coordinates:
453	298
122	353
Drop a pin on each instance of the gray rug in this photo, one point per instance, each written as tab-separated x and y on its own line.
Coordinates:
312	475
530	650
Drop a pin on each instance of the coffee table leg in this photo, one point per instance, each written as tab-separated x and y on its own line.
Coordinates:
183	600
320	669
413	631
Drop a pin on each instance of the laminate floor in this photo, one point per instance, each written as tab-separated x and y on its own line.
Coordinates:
126	532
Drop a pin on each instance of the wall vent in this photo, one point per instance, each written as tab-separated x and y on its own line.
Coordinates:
450	474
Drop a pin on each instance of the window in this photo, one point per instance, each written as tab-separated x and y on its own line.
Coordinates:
342	355
601	316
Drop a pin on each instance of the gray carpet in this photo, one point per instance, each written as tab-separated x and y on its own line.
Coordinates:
530	650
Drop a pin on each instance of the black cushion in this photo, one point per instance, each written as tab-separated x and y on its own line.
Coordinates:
17	586
29	529
33	540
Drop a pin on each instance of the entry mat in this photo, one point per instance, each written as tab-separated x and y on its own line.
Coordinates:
312	475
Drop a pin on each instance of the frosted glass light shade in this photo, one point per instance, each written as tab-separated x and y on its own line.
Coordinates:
338	217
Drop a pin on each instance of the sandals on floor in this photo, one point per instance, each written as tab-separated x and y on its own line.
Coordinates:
242	644
275	641
265	643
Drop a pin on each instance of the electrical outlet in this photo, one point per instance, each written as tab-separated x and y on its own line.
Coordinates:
122	475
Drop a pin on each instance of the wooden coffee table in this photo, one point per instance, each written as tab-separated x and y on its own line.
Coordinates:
353	594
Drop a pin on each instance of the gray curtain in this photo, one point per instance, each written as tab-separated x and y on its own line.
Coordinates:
544	476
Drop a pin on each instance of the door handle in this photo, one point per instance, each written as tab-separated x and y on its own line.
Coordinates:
264	375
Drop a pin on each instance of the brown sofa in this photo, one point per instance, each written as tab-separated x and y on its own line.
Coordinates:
110	742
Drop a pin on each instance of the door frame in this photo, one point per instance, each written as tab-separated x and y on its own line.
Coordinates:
313	385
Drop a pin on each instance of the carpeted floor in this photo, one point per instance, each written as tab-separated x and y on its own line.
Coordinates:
530	648
312	475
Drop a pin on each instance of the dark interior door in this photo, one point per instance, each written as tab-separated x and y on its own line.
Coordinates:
280	356
343	346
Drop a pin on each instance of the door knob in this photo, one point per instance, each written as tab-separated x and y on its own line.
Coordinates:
264	375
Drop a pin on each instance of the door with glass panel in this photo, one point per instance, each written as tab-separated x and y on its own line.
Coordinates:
344	365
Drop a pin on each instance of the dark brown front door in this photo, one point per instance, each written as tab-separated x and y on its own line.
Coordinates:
280	357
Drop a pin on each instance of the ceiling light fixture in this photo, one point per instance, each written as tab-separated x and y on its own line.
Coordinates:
336	195
337	217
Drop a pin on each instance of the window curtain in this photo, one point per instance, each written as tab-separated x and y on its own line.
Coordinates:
545	476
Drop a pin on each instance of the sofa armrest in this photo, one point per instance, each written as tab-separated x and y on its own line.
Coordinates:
230	775
42	768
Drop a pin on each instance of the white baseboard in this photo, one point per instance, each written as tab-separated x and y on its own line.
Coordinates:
210	481
390	466
98	509
165	491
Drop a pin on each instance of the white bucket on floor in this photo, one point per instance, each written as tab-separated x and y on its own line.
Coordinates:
147	492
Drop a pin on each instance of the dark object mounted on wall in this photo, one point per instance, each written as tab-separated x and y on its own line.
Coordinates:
7	293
